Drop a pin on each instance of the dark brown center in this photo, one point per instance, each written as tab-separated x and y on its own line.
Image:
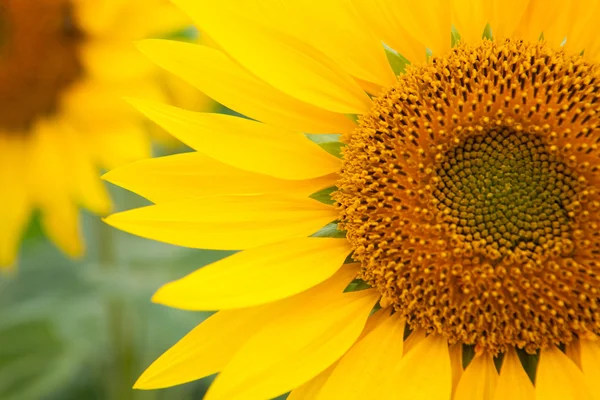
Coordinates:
38	59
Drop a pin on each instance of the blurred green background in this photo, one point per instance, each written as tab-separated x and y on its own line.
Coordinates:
86	329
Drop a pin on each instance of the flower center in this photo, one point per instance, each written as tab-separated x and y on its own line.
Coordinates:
38	59
470	196
502	190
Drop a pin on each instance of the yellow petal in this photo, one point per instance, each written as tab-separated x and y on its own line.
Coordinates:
384	18
118	144
89	101
60	222
243	143
429	22
226	222
110	60
15	202
187	175
367	370
590	364
470	17
456	352
565	20
552	18
505	16
130	20
308	333
415	337
257	276
290	65
52	187
583	33
558	378
95	16
479	380
222	79
513	384
211	345
205	350
425	372
349	42
82	171
310	390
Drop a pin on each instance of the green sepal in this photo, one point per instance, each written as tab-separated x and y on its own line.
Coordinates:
349	259
396	60
333	148
356	285
487	33
376	308
324	196
454	36
330	142
529	363
330	231
319	138
353	117
468	353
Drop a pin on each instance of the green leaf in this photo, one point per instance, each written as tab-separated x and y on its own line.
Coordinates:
32	356
324	196
396	60
330	231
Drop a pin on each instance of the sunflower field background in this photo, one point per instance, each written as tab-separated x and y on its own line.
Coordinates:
84	328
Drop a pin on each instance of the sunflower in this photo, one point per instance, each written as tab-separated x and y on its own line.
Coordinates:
64	64
414	194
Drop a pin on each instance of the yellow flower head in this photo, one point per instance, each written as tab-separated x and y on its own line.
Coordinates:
64	66
446	246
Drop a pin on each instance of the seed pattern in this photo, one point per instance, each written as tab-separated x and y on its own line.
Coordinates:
470	196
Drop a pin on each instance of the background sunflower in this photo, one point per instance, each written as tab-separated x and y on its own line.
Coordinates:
64	67
79	328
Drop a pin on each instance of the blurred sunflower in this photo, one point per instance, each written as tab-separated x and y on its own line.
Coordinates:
64	64
452	251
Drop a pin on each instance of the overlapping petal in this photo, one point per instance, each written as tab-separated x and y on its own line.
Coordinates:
226	222
558	378
311	331
479	380
289	64
257	276
243	143
513	382
188	175
215	74
367	370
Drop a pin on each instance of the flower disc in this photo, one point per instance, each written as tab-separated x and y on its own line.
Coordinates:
469	194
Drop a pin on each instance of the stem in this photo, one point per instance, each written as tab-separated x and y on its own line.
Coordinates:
120	333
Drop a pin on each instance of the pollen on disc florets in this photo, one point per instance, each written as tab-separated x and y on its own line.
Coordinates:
471	196
39	58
